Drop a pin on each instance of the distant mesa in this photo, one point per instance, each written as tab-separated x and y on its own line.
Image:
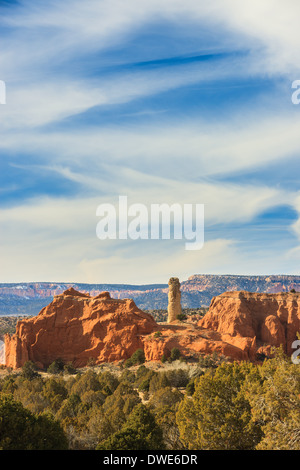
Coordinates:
197	291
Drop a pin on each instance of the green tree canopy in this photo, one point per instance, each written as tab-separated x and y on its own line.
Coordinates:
218	416
140	432
22	430
275	402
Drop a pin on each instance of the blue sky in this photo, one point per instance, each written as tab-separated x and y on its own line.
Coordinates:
165	102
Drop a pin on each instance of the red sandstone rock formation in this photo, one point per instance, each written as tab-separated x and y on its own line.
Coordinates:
193	341
238	325
76	327
270	319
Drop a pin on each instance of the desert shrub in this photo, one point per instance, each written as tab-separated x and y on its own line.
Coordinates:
119	405
138	357
164	404
175	354
29	370
165	397
218	416
69	407
158	381
143	378
144	385
30	393
86	382
99	425
92	398
69	369
142	371
140	432
108	382
166	419
55	392
181	317
244	406
157	334
56	367
211	360
128	376
22	430
275	401
178	377
190	388
8	384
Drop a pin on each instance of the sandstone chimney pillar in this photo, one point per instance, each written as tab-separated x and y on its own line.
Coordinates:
174	297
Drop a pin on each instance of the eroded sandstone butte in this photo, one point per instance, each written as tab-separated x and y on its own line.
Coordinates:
239	325
76	328
269	319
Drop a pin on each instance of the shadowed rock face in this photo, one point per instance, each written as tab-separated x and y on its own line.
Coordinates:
272	319
174	299
76	328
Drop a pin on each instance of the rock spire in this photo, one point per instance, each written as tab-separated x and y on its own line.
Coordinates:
174	299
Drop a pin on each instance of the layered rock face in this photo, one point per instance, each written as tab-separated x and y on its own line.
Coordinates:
193	341
174	302
240	325
269	319
76	328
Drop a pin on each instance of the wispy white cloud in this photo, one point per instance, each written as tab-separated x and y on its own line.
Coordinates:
44	35
180	150
58	235
174	159
269	26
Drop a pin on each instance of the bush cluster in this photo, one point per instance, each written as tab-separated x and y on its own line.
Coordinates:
214	404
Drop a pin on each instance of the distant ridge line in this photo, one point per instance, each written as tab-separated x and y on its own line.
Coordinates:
197	291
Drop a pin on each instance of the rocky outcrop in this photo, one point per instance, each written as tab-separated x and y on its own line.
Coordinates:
193	341
174	296
240	325
76	328
270	319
